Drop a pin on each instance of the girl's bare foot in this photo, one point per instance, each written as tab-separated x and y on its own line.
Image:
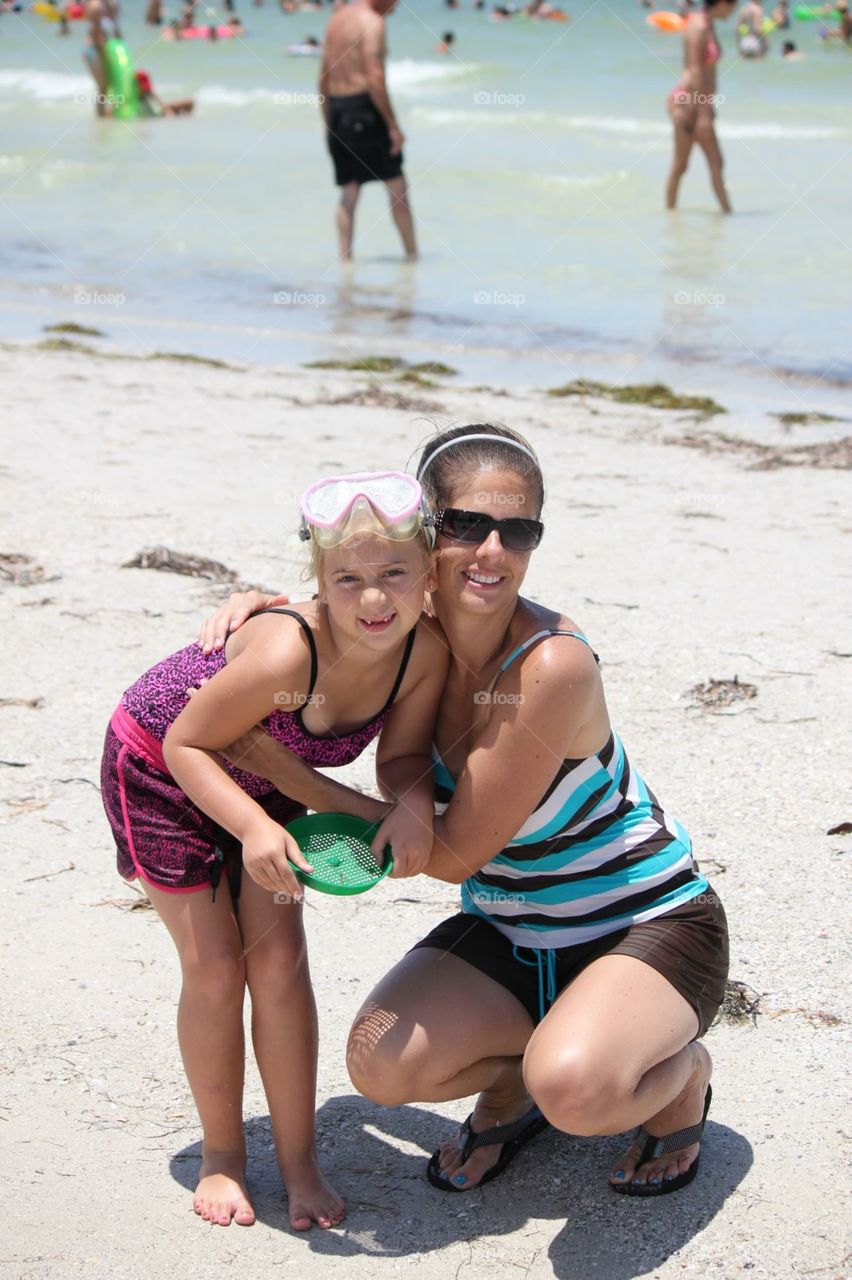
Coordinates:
310	1198
221	1192
685	1110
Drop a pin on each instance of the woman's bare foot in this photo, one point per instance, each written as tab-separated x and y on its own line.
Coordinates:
310	1198
502	1104
685	1110
221	1192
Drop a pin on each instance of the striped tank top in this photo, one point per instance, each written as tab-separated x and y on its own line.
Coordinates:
598	853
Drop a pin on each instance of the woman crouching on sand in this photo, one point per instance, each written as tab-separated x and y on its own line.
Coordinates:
692	102
590	954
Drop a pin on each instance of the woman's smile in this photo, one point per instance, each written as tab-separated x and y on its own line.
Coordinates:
482	581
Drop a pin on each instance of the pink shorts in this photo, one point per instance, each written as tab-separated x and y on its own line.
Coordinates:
160	835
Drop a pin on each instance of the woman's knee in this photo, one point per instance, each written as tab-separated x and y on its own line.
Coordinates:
575	1090
380	1066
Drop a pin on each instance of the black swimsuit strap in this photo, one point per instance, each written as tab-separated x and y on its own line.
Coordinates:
400	675
312	644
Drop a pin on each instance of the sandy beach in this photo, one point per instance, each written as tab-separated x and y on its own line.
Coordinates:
688	549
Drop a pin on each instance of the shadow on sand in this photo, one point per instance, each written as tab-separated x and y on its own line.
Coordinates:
375	1157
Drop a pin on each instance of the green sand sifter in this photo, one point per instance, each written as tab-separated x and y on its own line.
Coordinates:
337	846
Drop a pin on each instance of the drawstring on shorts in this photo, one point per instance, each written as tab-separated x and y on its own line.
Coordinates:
545	959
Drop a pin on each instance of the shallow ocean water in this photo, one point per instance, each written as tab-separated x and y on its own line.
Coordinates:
537	157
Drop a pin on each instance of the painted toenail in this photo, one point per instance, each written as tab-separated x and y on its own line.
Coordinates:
655	1181
669	1177
459	1179
619	1173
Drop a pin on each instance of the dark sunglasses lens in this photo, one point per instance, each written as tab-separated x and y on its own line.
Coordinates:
466	526
521	535
474	527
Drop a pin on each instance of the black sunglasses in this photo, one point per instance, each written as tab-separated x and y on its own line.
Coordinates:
474	527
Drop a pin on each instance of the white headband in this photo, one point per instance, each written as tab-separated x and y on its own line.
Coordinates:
479	436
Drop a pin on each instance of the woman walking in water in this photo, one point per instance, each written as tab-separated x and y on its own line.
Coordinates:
691	103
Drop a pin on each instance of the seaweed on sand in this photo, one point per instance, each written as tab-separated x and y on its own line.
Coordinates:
22	571
361	364
66	344
388	364
824	455
740	1003
168	561
71	326
806	418
187	357
656	395
721	693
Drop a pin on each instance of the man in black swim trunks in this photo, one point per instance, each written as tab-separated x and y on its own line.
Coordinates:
364	138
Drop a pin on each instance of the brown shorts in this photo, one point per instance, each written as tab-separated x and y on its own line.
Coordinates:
688	946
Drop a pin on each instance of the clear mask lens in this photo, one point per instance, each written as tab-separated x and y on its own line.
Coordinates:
388	504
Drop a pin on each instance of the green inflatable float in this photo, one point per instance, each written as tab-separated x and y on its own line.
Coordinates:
805	13
121	80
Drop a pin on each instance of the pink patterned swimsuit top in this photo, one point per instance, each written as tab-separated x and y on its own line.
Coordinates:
157	698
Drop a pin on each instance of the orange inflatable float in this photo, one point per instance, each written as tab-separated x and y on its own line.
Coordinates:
664	21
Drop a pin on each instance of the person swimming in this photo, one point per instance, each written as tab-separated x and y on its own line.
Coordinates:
152	105
309	48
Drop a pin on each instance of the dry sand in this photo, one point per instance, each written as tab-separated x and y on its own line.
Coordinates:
681	564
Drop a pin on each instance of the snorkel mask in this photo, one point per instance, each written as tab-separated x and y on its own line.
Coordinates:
387	503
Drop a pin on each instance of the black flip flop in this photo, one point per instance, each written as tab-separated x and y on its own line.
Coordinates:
653	1148
512	1137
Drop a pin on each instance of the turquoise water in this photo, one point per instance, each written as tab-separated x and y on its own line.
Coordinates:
537	158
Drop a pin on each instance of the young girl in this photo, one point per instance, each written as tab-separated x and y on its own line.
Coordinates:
324	678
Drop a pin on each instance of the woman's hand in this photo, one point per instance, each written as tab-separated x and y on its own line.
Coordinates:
268	851
232	614
408	831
